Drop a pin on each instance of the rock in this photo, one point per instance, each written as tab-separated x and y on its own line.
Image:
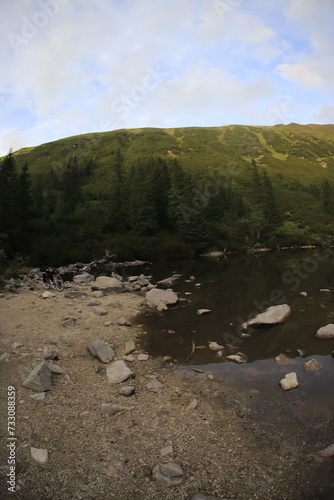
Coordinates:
237	358
40	379
289	381
75	294
69	322
312	364
168	282
282	359
39	396
114	303
215	347
93	303
127	391
129	346
303	294
100	311
111	408
203	311
325	290
108	285
143	357
170	474
156	297
167	450
50	355
98	294
130	358
123	322
16	345
191	406
100	348
327	452
56	369
118	372
326	332
154	386
142	280
39	454
48	295
271	316
83	278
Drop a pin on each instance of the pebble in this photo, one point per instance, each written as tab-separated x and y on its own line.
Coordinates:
127	391
154	386
39	454
143	357
111	408
100	311
129	346
168	450
200	312
215	347
123	322
118	372
48	295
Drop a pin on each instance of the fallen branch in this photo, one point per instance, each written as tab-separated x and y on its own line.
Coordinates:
192	351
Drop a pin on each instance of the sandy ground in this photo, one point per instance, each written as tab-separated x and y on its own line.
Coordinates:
91	455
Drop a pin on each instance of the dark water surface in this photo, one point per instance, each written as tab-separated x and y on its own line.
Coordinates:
235	288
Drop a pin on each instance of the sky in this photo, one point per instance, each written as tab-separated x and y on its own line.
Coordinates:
70	67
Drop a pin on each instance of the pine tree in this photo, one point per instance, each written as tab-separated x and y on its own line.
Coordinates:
9	212
24	195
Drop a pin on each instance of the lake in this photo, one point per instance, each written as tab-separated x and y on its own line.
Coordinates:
235	288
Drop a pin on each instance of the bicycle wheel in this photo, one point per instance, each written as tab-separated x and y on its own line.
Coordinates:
46	284
58	281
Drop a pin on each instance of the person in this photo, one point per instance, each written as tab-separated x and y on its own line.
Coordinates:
47	273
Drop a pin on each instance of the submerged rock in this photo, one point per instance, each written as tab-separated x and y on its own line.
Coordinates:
200	312
312	364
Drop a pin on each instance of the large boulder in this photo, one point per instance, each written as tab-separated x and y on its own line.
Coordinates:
326	332
156	298
108	285
271	316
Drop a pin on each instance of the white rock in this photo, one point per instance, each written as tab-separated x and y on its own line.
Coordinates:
39	454
289	381
215	347
143	357
237	358
326	332
47	295
203	311
272	316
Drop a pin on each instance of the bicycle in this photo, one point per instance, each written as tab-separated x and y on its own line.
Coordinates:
52	279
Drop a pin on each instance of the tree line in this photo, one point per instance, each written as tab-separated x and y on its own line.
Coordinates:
150	208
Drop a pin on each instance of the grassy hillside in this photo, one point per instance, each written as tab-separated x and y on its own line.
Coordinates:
297	160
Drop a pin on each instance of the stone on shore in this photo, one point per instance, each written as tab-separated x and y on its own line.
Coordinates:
108	285
326	332
160	298
271	316
215	347
111	408
40	379
327	452
83	278
118	372
289	381
170	474
123	322
100	311
48	295
101	349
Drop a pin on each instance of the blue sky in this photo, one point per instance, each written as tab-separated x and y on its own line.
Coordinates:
70	67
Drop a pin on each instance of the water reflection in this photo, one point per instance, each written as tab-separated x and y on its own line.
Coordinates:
235	287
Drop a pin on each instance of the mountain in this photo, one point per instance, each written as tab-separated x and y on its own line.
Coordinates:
209	188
